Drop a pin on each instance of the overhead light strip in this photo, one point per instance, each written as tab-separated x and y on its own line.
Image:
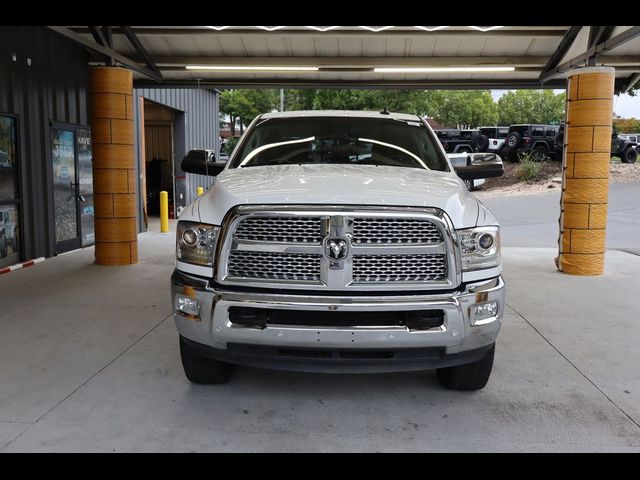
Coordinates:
302	69
250	68
359	27
443	69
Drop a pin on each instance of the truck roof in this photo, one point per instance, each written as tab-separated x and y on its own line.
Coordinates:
342	113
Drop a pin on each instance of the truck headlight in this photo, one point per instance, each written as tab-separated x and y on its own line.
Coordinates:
480	248
195	243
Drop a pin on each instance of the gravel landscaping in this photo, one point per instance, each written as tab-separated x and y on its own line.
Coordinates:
549	178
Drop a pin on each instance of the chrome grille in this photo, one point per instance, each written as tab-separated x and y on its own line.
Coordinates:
274	266
281	229
286	247
399	268
394	231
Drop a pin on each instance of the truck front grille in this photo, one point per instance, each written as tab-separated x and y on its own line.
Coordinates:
394	231
274	266
281	229
399	268
296	248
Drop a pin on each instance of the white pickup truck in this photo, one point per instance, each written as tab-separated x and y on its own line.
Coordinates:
339	242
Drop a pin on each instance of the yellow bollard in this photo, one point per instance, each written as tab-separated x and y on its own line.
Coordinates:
164	212
199	191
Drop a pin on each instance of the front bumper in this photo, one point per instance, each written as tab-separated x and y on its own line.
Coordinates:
460	339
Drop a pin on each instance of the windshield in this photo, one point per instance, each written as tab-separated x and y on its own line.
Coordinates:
340	140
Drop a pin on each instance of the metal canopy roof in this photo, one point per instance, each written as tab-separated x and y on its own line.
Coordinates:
339	56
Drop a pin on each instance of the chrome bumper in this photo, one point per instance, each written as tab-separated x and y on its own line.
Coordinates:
459	332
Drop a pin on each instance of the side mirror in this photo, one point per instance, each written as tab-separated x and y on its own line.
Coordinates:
479	165
201	162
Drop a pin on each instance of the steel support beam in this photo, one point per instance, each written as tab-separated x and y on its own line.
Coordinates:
598	49
135	42
633	79
121	59
226	83
563	48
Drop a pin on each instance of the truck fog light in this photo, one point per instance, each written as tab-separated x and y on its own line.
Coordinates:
188	306
486	310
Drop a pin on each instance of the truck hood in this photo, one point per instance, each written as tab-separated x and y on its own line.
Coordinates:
358	185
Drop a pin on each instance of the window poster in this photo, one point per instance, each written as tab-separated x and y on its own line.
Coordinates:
9	219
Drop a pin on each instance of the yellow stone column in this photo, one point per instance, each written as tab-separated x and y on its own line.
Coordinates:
114	179
585	179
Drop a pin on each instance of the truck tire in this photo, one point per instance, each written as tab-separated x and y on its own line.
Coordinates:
199	369
513	140
539	154
472	376
630	155
482	143
470	185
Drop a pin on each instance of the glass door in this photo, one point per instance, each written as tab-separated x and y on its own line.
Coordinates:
9	192
65	189
85	185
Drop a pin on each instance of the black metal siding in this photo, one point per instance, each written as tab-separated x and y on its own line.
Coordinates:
52	88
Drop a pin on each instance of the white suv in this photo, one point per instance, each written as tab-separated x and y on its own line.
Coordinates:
491	139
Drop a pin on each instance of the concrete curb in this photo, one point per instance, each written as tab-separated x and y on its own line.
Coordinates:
19	266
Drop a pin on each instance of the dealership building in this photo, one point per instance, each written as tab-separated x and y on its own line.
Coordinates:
49	196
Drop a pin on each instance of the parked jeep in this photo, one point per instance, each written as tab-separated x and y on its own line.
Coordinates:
458	141
633	137
492	139
623	147
537	140
339	242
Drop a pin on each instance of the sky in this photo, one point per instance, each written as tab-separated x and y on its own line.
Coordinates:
625	106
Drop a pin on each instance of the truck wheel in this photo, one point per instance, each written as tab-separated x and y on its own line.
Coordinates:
472	376
513	140
539	154
482	143
630	155
199	369
469	185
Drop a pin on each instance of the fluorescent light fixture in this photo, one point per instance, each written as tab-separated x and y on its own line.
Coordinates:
246	68
486	29
375	29
432	29
359	27
443	69
322	29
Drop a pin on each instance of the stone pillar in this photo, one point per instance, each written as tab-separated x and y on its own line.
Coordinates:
585	179
114	179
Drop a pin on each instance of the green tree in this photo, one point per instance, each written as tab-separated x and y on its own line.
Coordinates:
299	99
245	105
473	108
627	125
531	106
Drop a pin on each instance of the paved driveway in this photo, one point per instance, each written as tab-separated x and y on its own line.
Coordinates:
89	362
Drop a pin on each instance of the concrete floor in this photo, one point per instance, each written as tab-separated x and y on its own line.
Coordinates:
89	362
